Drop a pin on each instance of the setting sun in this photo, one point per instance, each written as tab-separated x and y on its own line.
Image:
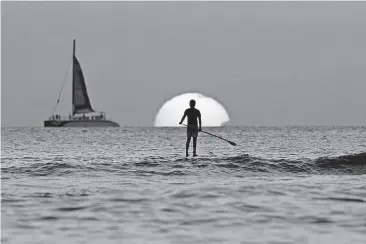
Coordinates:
213	113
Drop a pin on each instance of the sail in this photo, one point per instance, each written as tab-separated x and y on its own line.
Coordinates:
80	98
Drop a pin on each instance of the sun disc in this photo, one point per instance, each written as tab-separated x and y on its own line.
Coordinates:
212	112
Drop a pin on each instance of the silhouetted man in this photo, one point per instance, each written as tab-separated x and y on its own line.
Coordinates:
192	128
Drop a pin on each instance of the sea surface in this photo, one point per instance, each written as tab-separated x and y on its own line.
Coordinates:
135	185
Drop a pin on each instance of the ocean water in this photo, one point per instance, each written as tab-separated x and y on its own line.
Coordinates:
135	185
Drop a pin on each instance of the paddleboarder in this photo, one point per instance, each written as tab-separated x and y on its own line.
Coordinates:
192	128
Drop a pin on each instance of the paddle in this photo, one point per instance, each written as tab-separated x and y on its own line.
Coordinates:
230	142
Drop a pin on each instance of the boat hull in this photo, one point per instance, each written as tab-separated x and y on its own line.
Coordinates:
80	123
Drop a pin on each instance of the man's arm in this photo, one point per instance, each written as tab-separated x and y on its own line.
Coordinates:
199	120
184	116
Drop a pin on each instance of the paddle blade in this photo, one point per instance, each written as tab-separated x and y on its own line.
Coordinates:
232	143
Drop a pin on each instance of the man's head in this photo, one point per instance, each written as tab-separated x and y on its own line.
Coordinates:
192	103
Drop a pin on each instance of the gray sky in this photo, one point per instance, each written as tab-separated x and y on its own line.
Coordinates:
268	63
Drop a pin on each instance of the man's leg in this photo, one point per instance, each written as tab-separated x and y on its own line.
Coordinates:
187	144
194	145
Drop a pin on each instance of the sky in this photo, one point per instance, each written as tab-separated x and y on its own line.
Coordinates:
267	63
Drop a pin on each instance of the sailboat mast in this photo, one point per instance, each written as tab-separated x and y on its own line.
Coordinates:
73	75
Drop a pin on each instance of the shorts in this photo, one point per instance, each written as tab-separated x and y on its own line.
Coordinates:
192	131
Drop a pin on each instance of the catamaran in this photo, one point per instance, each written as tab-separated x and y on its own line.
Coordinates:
83	115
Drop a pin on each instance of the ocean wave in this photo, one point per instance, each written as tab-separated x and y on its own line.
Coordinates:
353	164
41	169
347	164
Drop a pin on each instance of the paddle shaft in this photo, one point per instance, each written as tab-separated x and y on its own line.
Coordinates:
215	136
231	143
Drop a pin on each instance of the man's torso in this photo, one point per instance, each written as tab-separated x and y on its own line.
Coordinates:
192	115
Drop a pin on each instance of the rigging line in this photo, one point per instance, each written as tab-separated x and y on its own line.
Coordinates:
62	87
